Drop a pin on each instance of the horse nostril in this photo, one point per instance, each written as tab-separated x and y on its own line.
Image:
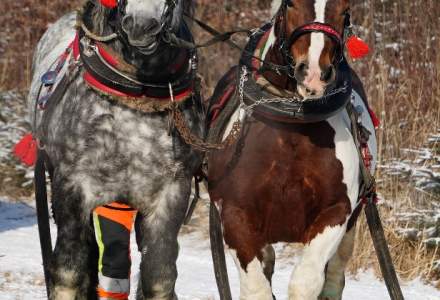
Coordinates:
151	25
301	68
310	92
328	74
127	23
300	71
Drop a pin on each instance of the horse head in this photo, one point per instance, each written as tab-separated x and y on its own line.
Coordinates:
311	38
142	24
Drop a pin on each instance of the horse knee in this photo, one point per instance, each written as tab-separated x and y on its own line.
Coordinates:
306	282
65	284
63	293
308	278
163	290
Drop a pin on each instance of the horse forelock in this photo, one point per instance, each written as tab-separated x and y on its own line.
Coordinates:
275	6
99	19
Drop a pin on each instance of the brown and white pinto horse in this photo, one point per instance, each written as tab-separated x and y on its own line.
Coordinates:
293	182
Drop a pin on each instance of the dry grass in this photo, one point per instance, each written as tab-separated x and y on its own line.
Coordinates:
402	78
411	259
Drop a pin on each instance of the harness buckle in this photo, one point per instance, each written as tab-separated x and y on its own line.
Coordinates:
89	48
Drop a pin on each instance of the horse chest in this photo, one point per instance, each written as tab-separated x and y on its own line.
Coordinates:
288	174
110	151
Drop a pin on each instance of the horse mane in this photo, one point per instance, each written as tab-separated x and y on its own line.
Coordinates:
275	6
189	7
99	18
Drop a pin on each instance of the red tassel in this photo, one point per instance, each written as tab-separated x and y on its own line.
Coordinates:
109	3
26	150
374	118
356	47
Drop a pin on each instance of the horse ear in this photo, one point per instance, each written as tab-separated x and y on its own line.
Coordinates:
109	3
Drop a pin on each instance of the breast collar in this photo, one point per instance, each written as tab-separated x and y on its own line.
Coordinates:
103	73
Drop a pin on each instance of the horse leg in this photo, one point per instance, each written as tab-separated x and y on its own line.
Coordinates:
159	230
70	261
254	283
335	277
308	277
252	256
93	269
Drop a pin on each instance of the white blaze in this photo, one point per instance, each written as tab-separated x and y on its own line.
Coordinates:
270	42
317	39
145	9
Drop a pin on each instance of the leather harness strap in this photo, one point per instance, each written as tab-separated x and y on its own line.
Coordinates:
103	74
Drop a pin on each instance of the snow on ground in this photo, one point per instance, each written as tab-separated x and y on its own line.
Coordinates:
21	275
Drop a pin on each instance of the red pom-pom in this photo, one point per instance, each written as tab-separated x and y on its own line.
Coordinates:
26	150
356	47
109	3
374	118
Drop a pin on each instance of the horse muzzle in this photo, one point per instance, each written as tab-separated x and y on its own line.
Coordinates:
144	36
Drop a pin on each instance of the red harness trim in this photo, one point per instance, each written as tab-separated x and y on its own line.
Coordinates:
107	56
324	28
217	108
75	46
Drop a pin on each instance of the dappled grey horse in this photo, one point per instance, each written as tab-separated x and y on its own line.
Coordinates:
107	137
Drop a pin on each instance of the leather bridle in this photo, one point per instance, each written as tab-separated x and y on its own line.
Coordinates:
117	13
286	42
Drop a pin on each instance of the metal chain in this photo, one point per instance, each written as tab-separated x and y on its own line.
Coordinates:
294	99
199	144
249	108
195	141
177	120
